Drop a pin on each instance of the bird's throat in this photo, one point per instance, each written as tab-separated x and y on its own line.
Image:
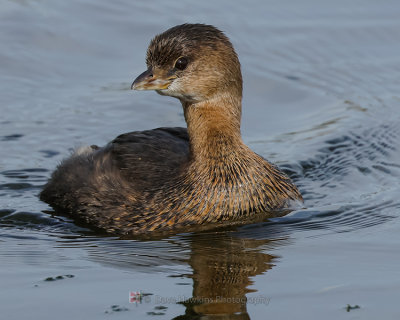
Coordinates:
214	127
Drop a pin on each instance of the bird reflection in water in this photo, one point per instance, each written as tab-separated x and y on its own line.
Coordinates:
222	270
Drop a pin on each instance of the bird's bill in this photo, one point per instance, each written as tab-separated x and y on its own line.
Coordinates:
149	80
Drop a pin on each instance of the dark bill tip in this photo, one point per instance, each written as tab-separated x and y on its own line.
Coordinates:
143	78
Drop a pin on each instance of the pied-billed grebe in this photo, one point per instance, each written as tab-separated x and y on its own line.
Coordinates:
169	178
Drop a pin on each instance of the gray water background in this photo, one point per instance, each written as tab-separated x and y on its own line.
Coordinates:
321	99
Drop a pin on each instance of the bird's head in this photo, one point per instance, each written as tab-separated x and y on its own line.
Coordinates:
192	62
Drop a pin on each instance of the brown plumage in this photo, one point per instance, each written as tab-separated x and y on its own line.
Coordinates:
170	178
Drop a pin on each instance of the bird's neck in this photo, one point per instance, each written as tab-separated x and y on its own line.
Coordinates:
214	127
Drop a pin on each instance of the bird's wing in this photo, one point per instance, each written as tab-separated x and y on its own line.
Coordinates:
150	157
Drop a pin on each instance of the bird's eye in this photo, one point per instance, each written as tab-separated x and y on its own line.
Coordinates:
181	63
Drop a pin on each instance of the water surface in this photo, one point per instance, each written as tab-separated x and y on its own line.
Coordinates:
321	99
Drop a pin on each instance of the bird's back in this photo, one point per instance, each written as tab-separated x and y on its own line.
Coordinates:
96	185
